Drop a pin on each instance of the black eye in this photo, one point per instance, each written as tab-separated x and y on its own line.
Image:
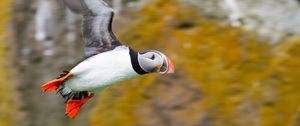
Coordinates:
152	57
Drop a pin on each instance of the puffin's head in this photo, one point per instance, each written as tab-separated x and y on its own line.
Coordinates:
155	61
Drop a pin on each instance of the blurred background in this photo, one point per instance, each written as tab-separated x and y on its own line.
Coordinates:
237	63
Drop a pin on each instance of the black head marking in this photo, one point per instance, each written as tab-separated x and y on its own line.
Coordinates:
134	62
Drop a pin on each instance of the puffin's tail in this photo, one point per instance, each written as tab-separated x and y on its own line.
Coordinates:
74	100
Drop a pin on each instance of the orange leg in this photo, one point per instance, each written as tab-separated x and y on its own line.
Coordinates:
73	106
54	85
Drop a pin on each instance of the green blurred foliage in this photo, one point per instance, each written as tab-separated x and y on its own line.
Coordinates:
243	79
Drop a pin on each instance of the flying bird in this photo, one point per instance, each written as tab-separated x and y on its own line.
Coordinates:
106	60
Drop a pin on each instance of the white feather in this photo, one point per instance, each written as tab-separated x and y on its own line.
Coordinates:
102	70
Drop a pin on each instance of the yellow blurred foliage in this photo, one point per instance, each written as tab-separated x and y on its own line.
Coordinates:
244	80
7	105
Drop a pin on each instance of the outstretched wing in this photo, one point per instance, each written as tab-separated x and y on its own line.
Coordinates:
96	27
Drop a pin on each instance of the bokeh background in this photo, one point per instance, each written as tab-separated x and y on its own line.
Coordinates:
237	63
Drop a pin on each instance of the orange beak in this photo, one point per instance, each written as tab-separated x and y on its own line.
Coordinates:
167	66
171	68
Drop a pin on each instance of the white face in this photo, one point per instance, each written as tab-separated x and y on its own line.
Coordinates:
151	61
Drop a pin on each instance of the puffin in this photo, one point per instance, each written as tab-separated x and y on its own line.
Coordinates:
105	61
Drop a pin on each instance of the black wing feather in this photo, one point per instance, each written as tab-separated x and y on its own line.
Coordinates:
97	25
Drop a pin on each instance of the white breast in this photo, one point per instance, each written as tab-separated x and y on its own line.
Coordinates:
102	70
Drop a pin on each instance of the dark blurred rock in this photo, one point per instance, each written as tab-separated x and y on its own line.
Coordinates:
45	40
